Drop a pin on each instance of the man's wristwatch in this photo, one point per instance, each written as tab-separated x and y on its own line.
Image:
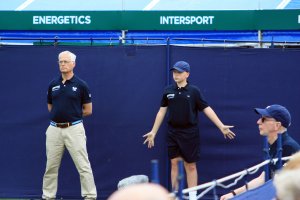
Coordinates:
233	192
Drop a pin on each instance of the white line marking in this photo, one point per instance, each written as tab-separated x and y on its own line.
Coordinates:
151	4
24	5
283	4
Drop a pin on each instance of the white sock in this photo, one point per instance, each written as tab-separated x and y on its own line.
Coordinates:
193	195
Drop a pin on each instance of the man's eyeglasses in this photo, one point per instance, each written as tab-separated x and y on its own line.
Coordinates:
64	61
264	119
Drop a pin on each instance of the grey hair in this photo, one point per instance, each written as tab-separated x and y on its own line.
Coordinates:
72	55
287	184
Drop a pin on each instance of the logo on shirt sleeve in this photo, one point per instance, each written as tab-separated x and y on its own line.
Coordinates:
170	96
55	88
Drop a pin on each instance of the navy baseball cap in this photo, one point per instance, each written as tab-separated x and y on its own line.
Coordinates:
181	66
278	112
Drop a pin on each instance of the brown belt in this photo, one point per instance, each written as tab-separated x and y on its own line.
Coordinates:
65	124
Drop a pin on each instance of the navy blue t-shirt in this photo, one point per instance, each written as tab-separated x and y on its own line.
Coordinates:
67	99
289	147
183	105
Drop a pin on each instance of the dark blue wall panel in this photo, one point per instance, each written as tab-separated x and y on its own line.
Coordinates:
127	83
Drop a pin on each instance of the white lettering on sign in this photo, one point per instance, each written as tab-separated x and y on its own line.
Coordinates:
61	19
189	20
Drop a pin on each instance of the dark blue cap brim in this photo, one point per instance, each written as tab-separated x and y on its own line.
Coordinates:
262	112
178	69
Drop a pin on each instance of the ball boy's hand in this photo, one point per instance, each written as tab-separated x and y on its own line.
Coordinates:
227	132
150	139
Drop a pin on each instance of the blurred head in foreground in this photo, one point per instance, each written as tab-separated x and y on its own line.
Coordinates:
145	191
287	181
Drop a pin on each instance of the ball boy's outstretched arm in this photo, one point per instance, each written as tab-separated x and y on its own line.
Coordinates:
158	120
225	129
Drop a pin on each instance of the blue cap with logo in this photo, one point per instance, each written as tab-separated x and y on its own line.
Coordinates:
278	112
181	66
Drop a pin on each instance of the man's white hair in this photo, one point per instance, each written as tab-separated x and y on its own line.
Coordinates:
72	55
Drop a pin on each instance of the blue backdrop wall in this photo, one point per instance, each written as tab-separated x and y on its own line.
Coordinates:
127	83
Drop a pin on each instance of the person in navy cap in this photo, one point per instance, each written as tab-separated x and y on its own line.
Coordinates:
274	120
183	101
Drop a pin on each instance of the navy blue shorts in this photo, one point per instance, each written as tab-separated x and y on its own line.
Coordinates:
184	143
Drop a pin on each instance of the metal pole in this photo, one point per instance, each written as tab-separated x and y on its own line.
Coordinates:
279	151
180	179
168	61
266	157
123	37
155	174
259	35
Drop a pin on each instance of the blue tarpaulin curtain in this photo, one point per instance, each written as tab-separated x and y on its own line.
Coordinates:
127	84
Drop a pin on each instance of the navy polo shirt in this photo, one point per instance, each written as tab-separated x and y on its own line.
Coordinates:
183	105
67	99
289	147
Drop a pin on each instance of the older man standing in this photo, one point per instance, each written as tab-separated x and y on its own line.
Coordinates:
69	100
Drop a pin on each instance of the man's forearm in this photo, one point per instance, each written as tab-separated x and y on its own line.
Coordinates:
87	109
258	181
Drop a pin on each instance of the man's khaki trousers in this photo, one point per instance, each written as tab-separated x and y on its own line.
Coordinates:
74	139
